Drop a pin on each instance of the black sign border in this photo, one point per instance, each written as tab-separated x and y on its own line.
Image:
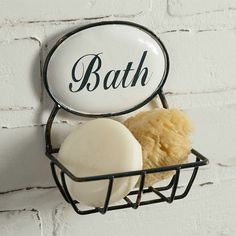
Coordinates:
158	91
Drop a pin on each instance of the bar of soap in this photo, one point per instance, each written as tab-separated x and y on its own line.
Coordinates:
98	147
164	137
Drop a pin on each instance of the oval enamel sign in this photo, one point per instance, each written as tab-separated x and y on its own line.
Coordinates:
106	68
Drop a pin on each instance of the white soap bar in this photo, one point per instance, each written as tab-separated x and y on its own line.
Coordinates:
101	146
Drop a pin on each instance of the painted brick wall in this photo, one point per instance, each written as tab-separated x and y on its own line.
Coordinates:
200	37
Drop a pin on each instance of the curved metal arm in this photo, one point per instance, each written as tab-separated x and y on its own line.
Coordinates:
51	118
163	100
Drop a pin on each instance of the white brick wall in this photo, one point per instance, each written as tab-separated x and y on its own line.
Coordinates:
189	8
211	63
20	74
200	38
42	11
20	222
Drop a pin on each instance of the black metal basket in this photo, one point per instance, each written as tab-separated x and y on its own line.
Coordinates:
162	194
50	151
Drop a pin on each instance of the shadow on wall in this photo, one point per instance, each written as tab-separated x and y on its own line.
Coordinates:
23	162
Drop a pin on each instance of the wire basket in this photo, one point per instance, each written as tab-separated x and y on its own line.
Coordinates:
160	196
166	193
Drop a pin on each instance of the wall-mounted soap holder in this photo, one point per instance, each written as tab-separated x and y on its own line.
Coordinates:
86	92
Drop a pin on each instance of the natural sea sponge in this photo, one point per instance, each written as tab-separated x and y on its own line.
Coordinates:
164	137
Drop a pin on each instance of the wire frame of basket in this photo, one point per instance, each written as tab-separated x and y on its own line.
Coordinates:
108	69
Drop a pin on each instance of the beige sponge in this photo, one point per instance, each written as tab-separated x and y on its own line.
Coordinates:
164	137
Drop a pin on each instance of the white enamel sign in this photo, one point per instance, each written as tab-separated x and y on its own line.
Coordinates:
106	68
